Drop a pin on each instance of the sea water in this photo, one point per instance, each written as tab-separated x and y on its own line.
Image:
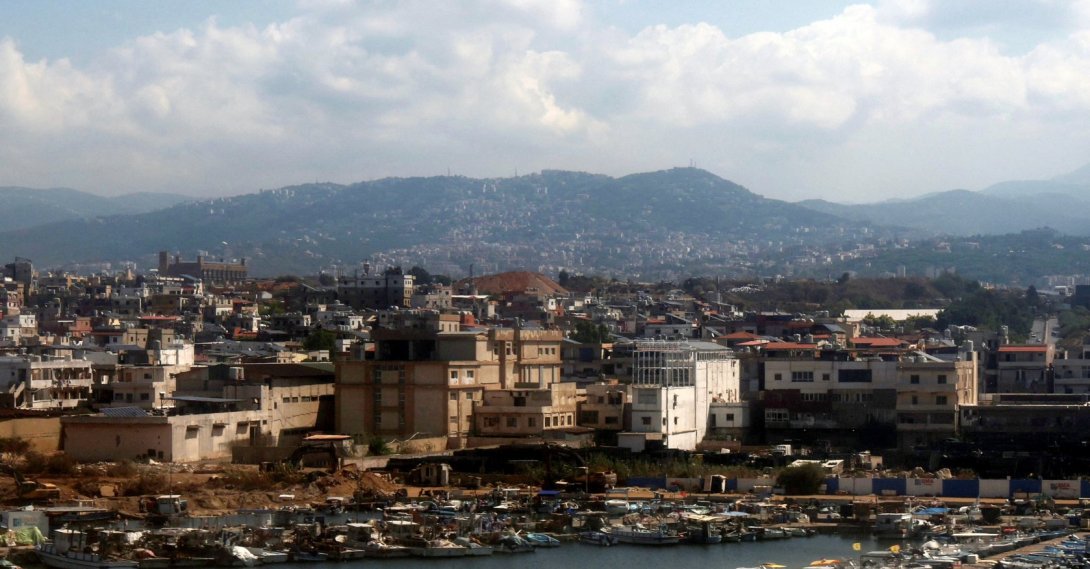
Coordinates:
794	553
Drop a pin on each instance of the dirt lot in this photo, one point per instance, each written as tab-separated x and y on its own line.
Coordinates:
210	489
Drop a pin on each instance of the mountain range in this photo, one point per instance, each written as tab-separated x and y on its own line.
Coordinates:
662	224
27	207
551	219
1007	207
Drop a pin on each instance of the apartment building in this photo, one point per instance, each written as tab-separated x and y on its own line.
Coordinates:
34	382
848	395
423	381
673	387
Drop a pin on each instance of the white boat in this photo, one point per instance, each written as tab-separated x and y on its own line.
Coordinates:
474	549
267	556
440	548
616	507
640	535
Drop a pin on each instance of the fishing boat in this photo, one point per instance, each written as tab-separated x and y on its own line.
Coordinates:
639	535
66	551
541	540
473	548
597	538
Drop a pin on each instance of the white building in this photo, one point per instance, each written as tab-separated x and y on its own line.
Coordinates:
673	387
29	382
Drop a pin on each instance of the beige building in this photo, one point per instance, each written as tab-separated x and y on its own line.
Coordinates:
603	408
526	412
427	382
223	407
930	393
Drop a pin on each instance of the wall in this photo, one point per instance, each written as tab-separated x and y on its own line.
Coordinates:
44	435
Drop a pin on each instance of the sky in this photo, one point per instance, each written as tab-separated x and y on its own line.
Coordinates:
850	102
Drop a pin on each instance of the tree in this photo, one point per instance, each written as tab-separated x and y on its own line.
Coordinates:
320	340
1032	297
563	278
420	275
587	332
801	480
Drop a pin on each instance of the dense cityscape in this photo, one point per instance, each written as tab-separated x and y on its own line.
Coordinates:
748	284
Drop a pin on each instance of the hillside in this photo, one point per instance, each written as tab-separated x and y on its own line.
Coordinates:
28	207
671	220
1005	208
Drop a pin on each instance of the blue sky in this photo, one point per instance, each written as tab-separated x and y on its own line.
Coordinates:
844	101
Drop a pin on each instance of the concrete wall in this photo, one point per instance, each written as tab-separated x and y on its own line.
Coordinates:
44	435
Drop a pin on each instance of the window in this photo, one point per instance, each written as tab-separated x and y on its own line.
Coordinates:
453	375
469	395
940	400
942	379
531	421
645	421
512	422
779	376
453	418
854	376
730	417
453	395
145	397
915	400
469	374
611	420
825	377
806	376
914	379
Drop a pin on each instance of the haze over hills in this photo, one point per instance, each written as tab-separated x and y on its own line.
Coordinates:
1006	207
667	220
27	207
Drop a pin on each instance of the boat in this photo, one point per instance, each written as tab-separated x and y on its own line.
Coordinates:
474	549
379	549
439	548
639	535
541	540
901	525
616	507
267	556
512	543
597	538
69	551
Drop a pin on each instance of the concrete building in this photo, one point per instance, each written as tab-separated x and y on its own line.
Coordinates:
217	272
526	412
604	407
31	382
846	395
1072	374
1023	368
930	393
377	291
427	382
216	413
673	386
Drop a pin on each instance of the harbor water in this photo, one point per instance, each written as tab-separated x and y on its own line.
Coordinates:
793	553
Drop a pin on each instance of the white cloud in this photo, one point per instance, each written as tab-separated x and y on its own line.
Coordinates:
863	103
